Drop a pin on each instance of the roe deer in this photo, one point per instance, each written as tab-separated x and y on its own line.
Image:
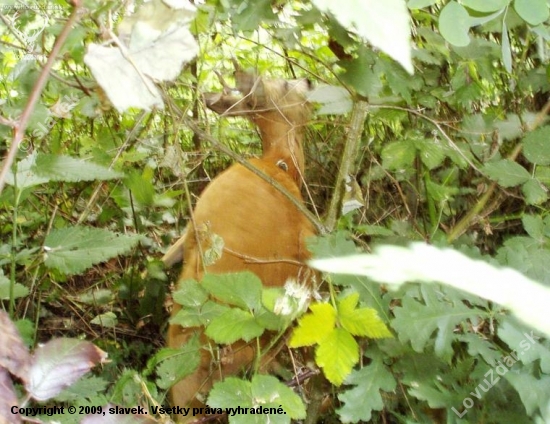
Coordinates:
262	230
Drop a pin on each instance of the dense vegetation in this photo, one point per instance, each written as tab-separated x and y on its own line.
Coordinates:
446	142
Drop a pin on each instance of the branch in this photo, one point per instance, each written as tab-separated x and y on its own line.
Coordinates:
347	163
19	129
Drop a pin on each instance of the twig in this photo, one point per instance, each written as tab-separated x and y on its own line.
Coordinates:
19	129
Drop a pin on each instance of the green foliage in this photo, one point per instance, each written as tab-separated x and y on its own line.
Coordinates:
337	351
455	154
263	391
72	250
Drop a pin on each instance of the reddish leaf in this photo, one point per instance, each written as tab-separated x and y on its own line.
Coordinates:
58	364
14	356
7	400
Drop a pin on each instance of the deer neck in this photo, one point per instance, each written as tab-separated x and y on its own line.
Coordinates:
282	144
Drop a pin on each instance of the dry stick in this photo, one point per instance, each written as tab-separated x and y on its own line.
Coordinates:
348	159
465	222
19	129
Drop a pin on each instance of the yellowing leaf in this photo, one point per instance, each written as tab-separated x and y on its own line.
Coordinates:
362	321
336	355
315	326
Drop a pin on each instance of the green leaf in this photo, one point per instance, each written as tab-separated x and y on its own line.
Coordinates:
365	397
485	6
534	12
536	147
249	18
526	343
174	364
396	265
190	293
262	392
507	173
534	226
383	24
73	250
398	155
333	100
535	193
533	391
66	168
315	326
416	322
432	152
454	24
360	321
336	355
233	325
230	393
141	186
107	320
26	175
19	289
242	289
269	392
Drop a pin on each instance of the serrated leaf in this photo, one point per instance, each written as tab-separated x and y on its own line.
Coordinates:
533	391
232	325
535	193
416	322
174	364
58	364
454	24
268	391
398	155
432	153
336	354
230	392
190	293
360	321
198	316
67	168
534	226
73	250
315	326
396	265
536	147
534	12
507	173
84	388
243	289
383	24
365	397
526	344
26	176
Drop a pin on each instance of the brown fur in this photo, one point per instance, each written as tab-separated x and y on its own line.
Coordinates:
262	230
